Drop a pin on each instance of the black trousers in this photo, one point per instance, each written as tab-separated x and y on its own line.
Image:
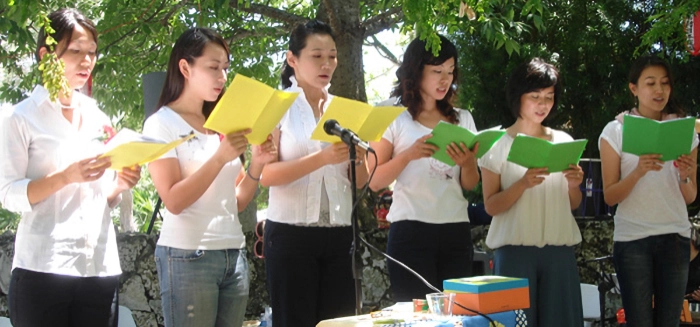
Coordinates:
309	273
41	299
435	251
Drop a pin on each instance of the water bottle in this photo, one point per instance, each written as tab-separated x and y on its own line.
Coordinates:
263	323
266	317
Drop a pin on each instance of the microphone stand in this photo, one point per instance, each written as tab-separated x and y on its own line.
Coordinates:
604	286
356	266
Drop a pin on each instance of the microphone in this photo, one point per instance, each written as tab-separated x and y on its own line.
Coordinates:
331	127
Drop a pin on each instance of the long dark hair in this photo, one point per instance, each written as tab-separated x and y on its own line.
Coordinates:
189	46
410	74
642	63
297	42
533	75
63	22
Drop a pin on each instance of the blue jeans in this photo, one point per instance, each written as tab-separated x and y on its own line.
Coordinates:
202	287
653	266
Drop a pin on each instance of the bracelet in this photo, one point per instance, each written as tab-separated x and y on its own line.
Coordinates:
247	171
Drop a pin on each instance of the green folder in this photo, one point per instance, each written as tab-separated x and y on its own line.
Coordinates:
670	138
446	133
534	152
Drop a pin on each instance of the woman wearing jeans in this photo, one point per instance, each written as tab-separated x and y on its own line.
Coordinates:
201	259
652	230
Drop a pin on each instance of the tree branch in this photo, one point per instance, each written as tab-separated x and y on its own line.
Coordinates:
383	51
173	9
241	34
382	21
128	23
269	12
150	18
149	64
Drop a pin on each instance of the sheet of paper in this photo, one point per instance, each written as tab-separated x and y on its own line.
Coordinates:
134	149
248	103
369	123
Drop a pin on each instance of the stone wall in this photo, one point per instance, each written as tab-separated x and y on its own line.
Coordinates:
139	289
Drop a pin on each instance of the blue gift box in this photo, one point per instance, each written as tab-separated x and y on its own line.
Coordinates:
506	319
503	319
483	284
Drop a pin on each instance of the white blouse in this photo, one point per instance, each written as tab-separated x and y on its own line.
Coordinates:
211	222
299	202
542	215
71	231
655	206
427	189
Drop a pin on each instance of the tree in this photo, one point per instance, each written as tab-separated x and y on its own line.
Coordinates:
593	44
591	40
135	38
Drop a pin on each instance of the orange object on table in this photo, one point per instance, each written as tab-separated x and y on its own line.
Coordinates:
488	294
491	302
420	305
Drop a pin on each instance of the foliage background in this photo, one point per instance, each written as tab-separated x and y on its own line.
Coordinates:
593	44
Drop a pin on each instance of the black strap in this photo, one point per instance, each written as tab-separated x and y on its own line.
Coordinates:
156	212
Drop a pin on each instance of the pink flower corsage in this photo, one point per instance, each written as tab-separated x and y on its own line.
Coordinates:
106	134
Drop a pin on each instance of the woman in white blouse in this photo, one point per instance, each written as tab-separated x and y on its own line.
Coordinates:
533	231
430	230
66	267
201	256
308	235
651	239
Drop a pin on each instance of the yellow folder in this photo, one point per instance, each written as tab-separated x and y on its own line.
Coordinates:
128	148
248	103
368	122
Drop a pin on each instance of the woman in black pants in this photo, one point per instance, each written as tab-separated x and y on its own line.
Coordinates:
430	229
308	234
66	267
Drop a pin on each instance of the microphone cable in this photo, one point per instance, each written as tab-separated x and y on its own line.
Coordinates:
404	266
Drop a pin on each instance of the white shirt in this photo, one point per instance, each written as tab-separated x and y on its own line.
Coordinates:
426	190
655	206
542	215
211	222
299	202
70	232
